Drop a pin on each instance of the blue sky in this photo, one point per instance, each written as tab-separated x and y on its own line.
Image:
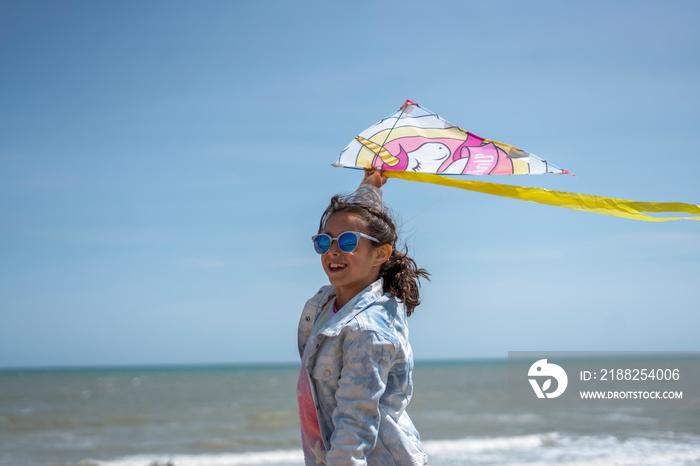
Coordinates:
163	165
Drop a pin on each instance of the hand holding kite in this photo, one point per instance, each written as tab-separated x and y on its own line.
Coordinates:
374	177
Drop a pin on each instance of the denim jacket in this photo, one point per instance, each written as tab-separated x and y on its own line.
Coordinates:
360	374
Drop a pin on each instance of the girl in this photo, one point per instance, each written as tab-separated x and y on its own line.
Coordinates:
355	378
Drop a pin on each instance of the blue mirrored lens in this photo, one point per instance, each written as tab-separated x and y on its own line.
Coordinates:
347	242
322	243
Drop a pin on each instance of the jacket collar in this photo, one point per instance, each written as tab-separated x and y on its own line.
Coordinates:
359	303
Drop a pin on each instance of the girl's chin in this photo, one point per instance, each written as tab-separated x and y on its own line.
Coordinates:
335	280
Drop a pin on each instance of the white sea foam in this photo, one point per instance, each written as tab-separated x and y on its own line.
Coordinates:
546	449
556	449
275	457
484	444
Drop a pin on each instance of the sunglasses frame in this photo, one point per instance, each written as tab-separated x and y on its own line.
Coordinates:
357	233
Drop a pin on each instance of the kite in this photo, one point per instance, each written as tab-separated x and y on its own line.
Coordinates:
416	144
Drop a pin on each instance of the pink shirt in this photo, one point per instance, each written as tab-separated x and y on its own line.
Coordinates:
311	439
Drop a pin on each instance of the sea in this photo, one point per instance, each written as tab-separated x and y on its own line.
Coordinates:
247	415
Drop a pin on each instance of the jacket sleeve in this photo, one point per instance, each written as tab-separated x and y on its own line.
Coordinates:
367	358
369	195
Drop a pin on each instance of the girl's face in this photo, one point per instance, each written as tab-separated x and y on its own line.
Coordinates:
351	272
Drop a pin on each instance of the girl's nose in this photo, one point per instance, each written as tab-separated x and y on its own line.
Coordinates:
334	247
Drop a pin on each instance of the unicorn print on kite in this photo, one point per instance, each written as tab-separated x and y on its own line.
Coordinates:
417	145
414	139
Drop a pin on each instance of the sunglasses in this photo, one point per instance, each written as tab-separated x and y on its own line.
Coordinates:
347	241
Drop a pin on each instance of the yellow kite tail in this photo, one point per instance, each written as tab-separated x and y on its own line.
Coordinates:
601	205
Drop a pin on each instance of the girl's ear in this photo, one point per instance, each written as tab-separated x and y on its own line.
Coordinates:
382	254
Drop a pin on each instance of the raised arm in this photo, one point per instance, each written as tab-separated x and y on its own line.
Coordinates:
369	192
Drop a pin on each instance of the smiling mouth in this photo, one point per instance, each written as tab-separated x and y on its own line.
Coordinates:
335	267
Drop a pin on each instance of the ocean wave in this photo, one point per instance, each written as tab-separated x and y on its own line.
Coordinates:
549	449
544	449
275	457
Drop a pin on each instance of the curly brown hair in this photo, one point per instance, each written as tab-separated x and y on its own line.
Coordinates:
400	272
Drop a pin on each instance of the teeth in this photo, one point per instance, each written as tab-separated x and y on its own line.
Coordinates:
336	266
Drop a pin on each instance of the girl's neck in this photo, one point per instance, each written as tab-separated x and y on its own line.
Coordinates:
344	295
341	301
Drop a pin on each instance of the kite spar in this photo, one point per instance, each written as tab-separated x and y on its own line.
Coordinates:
415	144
